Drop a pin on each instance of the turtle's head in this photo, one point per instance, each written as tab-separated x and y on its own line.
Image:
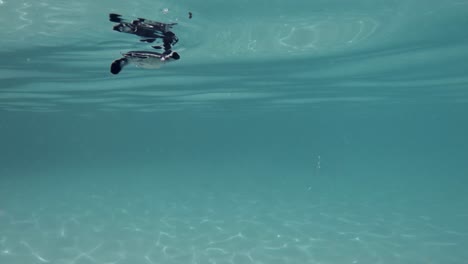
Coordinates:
175	55
171	56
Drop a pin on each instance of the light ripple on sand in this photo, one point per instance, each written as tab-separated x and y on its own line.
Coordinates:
168	228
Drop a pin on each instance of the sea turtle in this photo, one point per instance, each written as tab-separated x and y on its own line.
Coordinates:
143	59
147	30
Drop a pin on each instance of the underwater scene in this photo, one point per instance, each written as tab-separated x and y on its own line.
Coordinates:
234	132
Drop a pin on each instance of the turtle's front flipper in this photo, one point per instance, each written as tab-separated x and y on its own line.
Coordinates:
118	65
115	18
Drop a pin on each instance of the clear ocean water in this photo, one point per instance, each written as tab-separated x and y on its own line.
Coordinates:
302	132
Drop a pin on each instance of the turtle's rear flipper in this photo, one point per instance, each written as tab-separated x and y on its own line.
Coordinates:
156	47
118	65
147	40
115	18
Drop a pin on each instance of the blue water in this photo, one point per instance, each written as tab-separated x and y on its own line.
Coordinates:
320	132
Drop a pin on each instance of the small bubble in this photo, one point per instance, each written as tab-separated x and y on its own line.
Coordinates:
165	10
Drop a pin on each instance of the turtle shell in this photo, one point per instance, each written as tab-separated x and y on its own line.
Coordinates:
142	54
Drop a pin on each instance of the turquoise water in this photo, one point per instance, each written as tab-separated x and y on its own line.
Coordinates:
320	132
